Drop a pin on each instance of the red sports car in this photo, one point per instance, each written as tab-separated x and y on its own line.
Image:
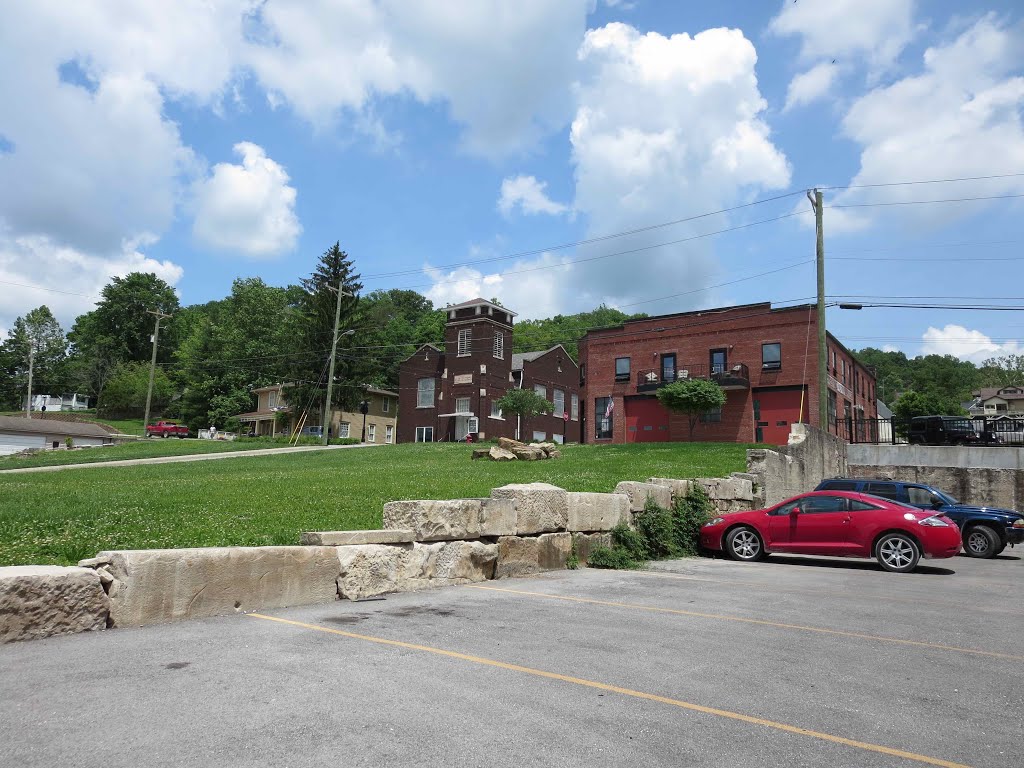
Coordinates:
839	524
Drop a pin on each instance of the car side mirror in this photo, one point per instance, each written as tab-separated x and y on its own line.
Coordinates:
795	511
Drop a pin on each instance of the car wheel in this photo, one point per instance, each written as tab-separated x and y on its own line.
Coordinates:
744	544
981	541
897	552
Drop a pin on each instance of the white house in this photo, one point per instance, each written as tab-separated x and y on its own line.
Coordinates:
19	434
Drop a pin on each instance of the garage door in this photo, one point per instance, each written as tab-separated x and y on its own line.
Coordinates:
646	421
18	442
775	410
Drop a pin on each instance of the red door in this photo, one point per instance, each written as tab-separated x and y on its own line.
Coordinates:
774	411
646	421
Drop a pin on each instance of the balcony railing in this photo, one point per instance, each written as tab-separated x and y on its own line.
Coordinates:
736	376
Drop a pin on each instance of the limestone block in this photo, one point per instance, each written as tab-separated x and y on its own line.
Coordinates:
553	551
727	488
508	443
346	538
639	492
500	454
480	453
554	454
679	488
517	556
528	453
546	447
461	562
368	570
44	600
435	520
158	585
585	543
597	511
540	507
497	517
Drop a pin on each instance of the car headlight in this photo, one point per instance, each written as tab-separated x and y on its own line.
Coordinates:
934	522
1019	522
716	521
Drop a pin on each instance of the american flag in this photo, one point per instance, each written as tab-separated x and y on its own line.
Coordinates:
609	409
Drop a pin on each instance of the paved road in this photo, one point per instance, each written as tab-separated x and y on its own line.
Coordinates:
791	662
190	457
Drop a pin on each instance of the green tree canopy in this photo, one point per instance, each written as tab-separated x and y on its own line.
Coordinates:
392	325
125	393
1003	371
525	403
912	403
38	333
567	330
693	398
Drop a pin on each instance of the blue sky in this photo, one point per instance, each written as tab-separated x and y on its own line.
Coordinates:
209	141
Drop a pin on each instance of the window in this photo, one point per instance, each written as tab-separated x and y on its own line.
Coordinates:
862	506
786	509
718	361
583	374
371	433
838	485
558	439
622	369
603	418
668	368
815	505
385	404
272	399
574	413
831	407
539	437
842	367
771	356
541	390
424	434
558	400
885	490
425	393
343	429
499	345
711	416
462	405
495	410
920	497
389	434
465	339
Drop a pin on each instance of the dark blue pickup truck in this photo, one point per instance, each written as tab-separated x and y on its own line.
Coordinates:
986	531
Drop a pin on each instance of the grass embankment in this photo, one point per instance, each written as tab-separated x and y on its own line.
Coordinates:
145	449
62	517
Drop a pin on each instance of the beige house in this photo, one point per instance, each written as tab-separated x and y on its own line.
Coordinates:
263	421
998	401
381	418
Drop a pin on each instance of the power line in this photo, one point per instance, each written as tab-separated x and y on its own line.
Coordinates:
927	181
926	202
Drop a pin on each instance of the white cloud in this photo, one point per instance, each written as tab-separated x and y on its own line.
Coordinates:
30	264
248	208
528	194
876	30
811	85
966	344
945	122
331	57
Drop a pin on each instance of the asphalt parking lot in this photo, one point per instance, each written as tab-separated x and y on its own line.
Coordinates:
791	662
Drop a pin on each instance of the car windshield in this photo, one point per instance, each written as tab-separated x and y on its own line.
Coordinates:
945	497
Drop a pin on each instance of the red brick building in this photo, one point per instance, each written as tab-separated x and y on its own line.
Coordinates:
451	391
765	359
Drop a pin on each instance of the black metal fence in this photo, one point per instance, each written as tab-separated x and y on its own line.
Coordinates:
932	430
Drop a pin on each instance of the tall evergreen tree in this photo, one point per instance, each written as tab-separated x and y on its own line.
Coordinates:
38	333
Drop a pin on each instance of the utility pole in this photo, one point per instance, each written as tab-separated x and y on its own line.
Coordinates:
816	204
31	363
334	351
152	364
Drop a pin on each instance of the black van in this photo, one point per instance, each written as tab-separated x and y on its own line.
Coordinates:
946	430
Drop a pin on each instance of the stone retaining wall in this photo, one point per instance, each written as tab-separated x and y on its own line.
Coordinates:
521	529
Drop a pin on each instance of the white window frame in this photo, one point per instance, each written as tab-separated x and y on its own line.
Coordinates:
541	390
344	429
460	402
473	425
272	398
499	345
543	436
559	409
574	411
465	342
495	410
371	433
421	434
421	390
389	434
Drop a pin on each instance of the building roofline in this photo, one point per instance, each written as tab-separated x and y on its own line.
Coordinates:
477	302
766	305
542	354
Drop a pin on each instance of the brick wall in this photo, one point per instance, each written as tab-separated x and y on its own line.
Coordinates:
554	369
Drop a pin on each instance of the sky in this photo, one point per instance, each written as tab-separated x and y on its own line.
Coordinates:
553	154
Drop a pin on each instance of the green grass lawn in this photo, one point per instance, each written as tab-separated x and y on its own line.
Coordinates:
62	517
140	449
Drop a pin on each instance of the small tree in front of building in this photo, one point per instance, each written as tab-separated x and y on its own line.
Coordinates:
693	398
525	403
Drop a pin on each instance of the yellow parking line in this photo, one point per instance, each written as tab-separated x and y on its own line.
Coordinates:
625	692
762	622
822	593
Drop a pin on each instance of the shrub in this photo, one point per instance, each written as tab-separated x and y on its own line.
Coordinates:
656	527
616	558
688	515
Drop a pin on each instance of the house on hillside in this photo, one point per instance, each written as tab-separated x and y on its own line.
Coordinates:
451	391
380	418
998	401
20	434
54	403
764	358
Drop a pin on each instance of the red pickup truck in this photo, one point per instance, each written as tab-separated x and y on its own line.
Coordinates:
166	429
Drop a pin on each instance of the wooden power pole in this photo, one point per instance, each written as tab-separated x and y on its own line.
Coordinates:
152	365
334	351
816	204
31	364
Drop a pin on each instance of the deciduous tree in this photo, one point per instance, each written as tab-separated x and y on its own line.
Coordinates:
693	398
